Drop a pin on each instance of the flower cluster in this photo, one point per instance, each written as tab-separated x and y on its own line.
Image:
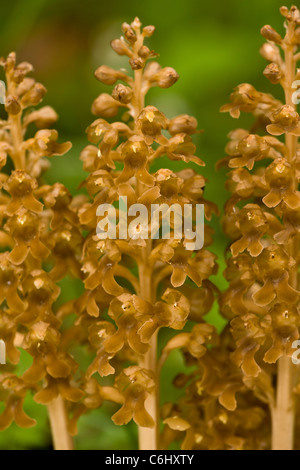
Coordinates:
136	286
206	418
40	242
239	387
261	218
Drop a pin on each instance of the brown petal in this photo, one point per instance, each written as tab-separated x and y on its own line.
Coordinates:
123	416
110	285
6	418
32	204
36	372
274	129
141	416
273	198
57	368
178	277
177	423
265	295
292	199
70	393
18	254
46	395
39	250
21	418
286	293
239	246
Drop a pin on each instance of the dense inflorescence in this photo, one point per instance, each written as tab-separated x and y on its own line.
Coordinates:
135	286
40	243
207	416
262	220
238	387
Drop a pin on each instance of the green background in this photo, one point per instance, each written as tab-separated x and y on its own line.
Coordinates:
213	45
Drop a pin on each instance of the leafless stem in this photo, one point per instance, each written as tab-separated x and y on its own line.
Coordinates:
283	416
58	421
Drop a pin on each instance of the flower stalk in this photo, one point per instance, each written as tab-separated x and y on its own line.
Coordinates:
283	414
37	227
263	297
59	425
240	386
148	437
137	285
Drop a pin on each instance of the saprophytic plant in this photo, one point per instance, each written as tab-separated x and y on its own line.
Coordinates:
262	218
240	388
136	286
39	243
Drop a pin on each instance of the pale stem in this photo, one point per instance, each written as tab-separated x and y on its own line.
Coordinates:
58	421
283	413
56	409
148	437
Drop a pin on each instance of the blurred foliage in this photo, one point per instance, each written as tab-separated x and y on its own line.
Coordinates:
213	46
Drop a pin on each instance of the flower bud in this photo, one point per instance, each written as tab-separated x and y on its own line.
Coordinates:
137	64
122	93
12	105
120	47
151	69
166	77
130	36
125	26
273	73
270	52
34	96
21	71
183	123
284	11
270	34
109	76
25	86
43	118
144	52
136	24
105	106
10	62
148	31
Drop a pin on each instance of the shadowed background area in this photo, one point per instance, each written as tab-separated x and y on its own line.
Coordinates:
212	45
